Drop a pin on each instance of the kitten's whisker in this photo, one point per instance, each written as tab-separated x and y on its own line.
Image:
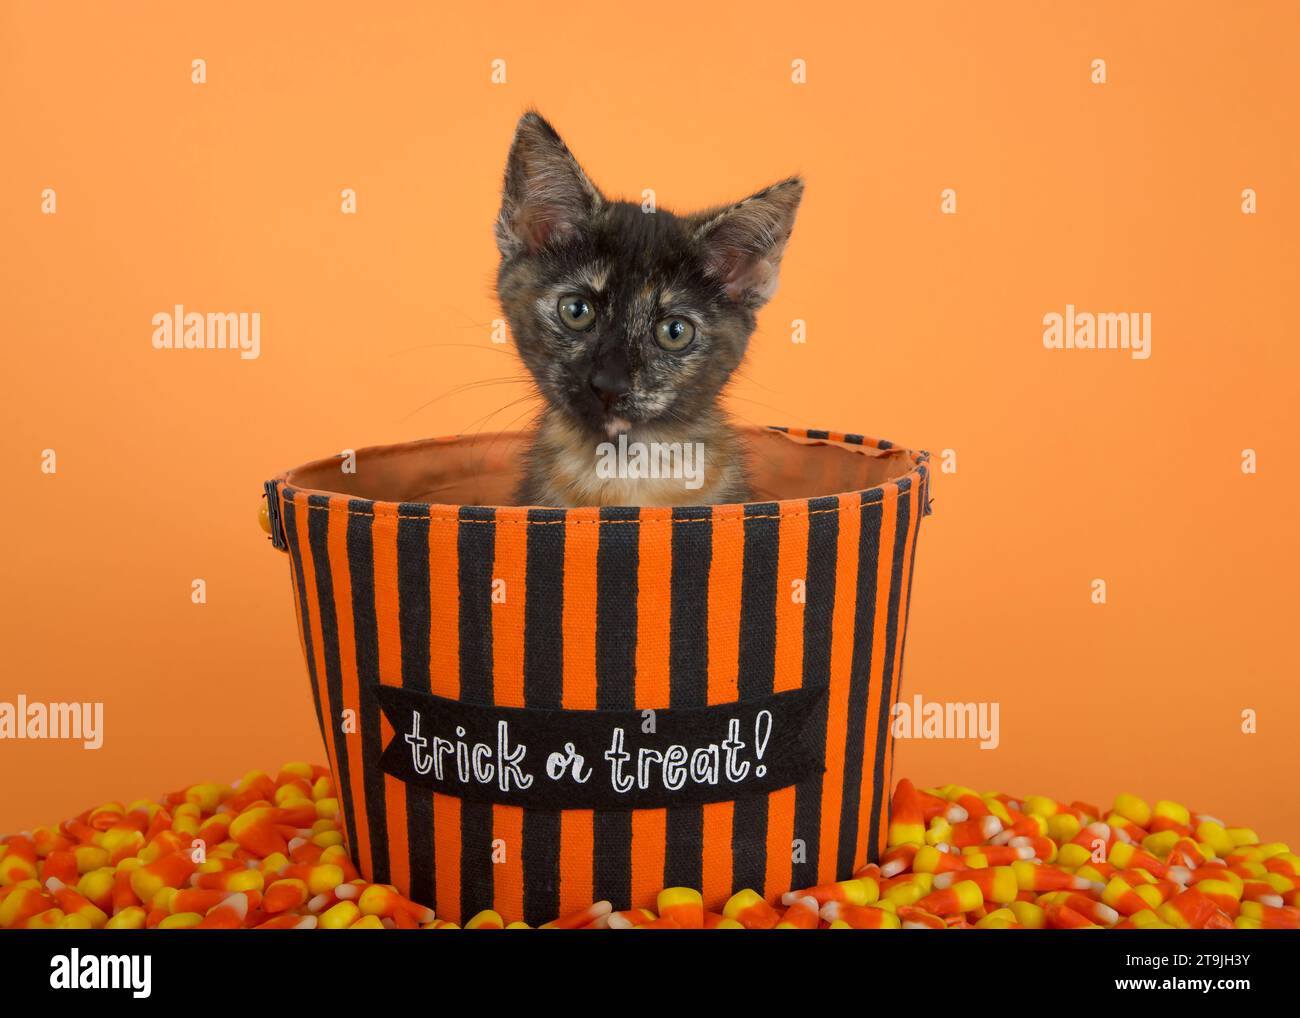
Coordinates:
757	402
493	347
533	393
482	421
488	416
505	429
482	383
739	373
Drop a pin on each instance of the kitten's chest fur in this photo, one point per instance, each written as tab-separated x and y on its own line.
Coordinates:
570	466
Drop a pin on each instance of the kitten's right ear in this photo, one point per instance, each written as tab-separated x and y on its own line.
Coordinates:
546	196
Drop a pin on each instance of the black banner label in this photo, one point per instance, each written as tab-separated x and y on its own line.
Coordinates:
601	759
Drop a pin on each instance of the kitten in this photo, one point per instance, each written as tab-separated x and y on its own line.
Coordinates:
631	323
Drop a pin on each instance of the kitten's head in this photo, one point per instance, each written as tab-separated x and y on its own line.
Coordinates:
627	317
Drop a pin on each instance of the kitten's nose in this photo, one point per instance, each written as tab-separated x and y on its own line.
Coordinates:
609	382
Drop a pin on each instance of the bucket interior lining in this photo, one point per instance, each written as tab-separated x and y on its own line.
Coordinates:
484	469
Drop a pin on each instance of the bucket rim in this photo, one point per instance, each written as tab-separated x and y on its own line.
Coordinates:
861	444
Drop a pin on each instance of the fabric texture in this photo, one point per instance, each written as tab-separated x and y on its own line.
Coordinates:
607	610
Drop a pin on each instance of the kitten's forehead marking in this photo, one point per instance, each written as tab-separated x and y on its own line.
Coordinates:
595	276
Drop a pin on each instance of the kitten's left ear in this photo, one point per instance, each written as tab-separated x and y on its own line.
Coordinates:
742	244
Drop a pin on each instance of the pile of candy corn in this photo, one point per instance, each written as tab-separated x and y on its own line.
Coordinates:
267	853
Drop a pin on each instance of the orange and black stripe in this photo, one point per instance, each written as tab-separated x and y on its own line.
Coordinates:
722	661
327	611
691	547
476	537
882	717
823	534
616	608
289	516
616	635
757	674
543	688
859	684
413	619
361	567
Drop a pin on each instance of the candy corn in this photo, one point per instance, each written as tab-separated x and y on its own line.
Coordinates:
274	857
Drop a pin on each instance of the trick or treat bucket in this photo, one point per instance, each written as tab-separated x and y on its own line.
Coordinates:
531	709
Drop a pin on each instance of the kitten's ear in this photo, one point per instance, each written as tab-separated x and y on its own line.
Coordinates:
742	244
546	196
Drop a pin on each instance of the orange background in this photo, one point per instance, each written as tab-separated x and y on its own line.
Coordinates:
923	328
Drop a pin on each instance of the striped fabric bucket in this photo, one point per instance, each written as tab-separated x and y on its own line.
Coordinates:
531	709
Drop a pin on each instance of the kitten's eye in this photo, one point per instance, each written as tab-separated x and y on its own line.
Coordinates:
576	312
674	334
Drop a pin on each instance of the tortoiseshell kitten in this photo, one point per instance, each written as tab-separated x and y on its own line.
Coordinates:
631	322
